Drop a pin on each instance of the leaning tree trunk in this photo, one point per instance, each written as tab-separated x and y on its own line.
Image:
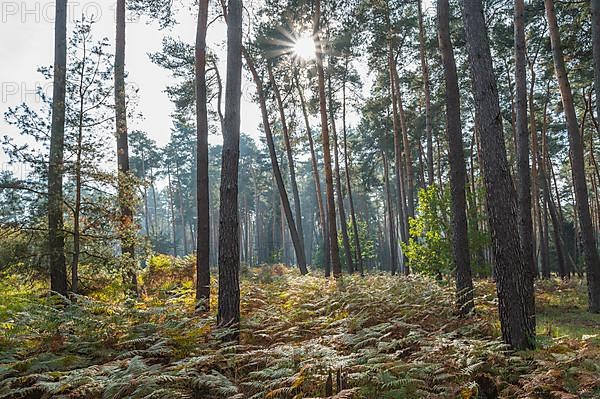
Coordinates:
514	282
332	228
56	235
522	142
338	184
427	93
229	249
202	186
317	179
285	202
592	260
290	159
458	169
127	229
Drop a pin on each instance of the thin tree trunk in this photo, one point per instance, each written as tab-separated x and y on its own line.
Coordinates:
458	169
229	249
127	228
317	179
172	208
390	216
298	247
514	282
427	93
522	143
592	260
332	228
396	125
56	235
595	8
543	234
290	158
202	185
338	183
348	179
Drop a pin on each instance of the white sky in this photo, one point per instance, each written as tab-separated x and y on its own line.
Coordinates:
27	42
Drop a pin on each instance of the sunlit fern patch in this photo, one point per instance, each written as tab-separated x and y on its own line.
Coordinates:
301	337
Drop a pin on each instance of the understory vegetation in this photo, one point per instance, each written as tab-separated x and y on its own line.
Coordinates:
374	337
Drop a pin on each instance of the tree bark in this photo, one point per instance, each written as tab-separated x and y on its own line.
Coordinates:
229	249
332	228
317	179
522	142
348	179
427	93
202	186
458	169
390	213
514	282
595	8
125	194
398	159
56	235
290	159
285	202
338	184
592	260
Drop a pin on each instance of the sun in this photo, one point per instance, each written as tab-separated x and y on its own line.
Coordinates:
304	47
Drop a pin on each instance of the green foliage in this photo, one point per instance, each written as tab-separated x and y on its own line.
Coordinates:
389	337
367	242
429	248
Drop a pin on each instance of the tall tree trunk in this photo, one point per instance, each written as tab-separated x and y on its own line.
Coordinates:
458	169
592	260
127	229
56	235
410	180
595	6
78	182
539	208
390	216
544	181
290	158
332	228
427	93
202	185
172	208
514	282
317	179
396	125
285	202
357	247
181	210
145	195
229	249
338	184
522	135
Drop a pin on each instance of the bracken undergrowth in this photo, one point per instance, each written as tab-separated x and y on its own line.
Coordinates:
301	337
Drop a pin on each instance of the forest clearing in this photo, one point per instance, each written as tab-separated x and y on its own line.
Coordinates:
387	337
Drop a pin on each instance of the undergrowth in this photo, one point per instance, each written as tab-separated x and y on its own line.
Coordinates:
372	337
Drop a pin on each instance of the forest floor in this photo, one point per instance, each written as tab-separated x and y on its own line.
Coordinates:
372	337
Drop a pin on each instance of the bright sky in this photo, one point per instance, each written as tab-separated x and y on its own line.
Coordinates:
27	31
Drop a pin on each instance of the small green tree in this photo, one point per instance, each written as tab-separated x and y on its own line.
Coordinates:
429	247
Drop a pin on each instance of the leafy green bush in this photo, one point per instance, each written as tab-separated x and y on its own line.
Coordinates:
429	248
